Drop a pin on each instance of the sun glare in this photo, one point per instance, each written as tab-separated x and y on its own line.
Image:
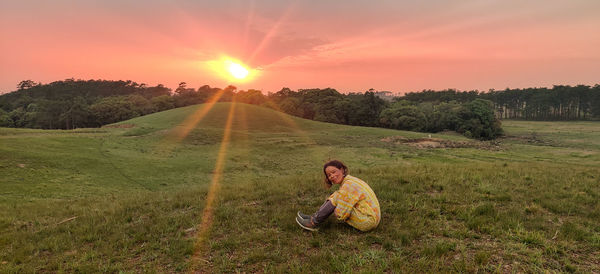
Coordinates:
238	71
231	70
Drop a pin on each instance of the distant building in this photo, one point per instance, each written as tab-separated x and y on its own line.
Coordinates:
385	95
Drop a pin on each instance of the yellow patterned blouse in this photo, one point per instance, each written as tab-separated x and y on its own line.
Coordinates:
356	204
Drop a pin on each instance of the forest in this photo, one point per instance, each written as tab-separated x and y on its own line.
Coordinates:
559	103
70	104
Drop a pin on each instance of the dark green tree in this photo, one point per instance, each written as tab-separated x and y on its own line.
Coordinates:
5	120
478	120
251	96
403	116
163	102
26	84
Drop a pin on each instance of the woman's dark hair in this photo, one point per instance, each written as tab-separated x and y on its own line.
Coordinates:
337	164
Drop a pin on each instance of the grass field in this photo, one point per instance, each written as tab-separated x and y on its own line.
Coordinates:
133	197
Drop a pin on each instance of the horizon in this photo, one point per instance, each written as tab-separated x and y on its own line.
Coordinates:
395	94
398	47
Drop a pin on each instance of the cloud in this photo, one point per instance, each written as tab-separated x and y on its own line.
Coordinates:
280	46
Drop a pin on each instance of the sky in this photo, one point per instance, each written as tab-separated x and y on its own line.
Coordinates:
352	46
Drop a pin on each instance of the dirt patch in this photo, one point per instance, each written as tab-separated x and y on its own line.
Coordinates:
376	246
190	232
71	253
434	193
533	139
119	126
428	143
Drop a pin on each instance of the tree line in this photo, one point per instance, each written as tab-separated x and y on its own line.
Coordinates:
474	119
559	103
73	103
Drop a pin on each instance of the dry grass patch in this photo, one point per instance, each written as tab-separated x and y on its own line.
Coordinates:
428	143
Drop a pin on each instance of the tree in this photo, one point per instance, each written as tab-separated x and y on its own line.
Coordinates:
283	94
445	116
478	120
251	96
48	114
77	114
113	109
151	92
595	101
369	108
292	106
228	93
163	102
5	120
26	84
185	96
18	117
404	117
181	88
140	105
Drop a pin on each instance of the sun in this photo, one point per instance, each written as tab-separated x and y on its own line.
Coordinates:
230	69
237	70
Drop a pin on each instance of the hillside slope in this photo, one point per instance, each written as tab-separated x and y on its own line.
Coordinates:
133	197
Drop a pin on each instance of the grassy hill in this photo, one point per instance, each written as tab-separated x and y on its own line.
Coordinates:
132	196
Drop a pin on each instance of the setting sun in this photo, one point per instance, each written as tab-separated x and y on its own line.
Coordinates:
238	71
231	70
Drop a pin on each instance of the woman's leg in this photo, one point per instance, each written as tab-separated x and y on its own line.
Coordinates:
310	222
321	215
362	218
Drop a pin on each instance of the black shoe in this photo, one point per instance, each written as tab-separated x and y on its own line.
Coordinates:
303	216
307	224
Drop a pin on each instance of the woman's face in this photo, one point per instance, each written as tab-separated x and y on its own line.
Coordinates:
334	174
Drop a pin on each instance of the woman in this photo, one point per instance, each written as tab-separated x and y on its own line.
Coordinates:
354	203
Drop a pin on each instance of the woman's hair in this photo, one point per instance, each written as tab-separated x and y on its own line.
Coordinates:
337	164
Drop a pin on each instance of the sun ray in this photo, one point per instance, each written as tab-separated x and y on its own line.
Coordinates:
249	20
208	212
265	41
244	128
179	132
286	118
191	122
198	263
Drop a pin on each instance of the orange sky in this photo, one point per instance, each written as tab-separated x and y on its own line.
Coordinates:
351	46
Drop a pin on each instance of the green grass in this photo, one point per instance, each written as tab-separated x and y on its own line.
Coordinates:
128	199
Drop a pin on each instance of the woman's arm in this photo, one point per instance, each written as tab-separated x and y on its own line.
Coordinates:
344	201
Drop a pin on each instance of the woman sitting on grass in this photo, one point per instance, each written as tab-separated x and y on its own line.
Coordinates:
354	203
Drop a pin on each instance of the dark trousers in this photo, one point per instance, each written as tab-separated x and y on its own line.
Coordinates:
321	215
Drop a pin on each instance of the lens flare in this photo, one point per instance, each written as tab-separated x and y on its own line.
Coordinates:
230	70
238	71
